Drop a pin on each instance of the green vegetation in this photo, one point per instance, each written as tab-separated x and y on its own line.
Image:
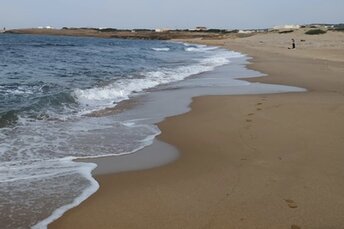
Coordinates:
106	30
221	31
286	31
315	32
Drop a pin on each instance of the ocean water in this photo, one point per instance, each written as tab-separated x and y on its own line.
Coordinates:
50	89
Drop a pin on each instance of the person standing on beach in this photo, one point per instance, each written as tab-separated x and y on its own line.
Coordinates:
293	43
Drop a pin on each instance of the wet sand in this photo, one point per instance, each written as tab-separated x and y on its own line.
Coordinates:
255	161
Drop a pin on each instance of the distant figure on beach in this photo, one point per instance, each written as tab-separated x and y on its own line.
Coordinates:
292	44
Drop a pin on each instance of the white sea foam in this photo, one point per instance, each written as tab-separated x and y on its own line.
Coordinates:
200	48
21	90
161	49
29	167
85	170
27	170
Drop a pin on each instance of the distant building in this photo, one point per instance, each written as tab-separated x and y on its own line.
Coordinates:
320	26
201	28
281	27
162	30
45	27
262	30
246	31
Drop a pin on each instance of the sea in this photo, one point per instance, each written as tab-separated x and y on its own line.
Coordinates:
66	98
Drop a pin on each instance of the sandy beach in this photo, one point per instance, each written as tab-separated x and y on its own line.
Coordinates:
254	161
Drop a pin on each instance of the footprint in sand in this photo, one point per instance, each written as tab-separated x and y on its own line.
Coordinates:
295	227
291	203
249	119
259	108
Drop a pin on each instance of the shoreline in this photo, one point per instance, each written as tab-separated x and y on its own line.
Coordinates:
180	92
155	155
186	176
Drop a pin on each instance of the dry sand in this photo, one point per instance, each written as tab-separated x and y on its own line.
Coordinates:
257	161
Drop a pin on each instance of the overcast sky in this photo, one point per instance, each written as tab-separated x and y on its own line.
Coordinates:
230	14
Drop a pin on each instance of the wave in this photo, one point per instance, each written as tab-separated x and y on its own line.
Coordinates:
101	97
17	90
36	88
199	49
41	107
161	49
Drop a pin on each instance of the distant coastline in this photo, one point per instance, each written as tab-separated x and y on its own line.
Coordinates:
128	34
169	34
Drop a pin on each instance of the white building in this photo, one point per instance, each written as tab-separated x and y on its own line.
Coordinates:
201	28
246	31
162	30
278	27
45	27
